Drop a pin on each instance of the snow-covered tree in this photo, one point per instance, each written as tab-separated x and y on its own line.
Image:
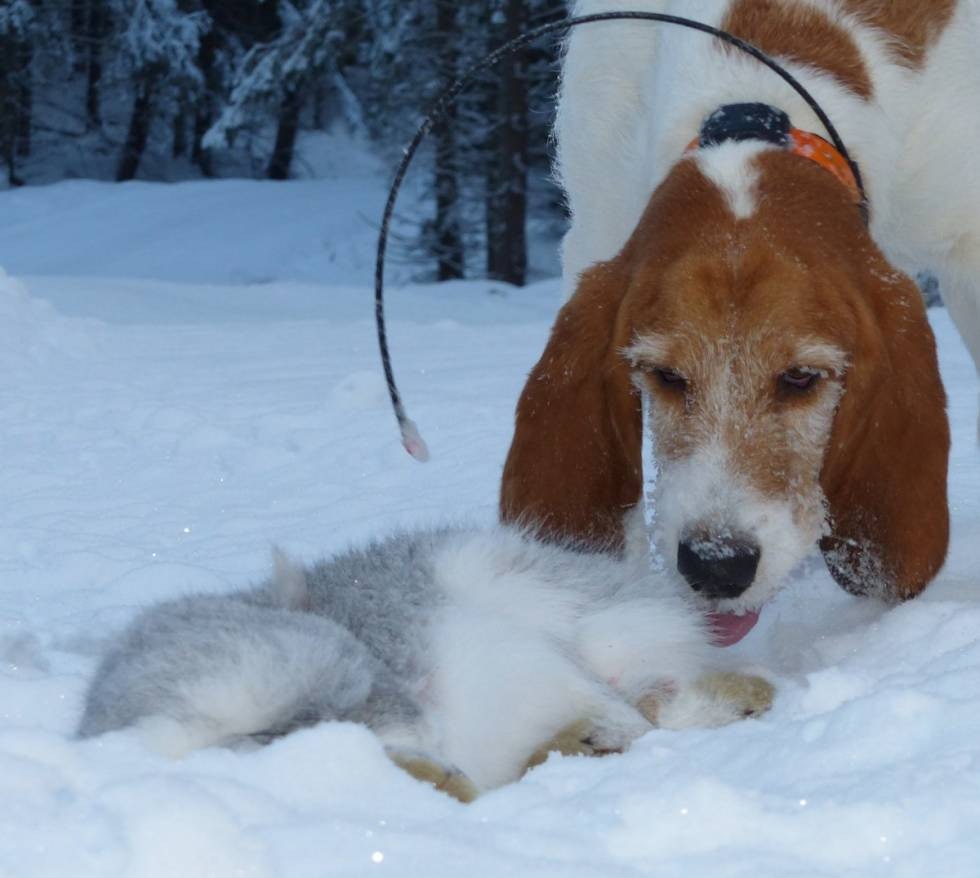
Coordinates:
156	45
278	77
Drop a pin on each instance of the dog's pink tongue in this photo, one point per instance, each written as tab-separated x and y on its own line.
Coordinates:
728	628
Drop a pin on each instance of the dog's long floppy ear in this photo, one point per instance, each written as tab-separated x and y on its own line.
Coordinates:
884	475
574	467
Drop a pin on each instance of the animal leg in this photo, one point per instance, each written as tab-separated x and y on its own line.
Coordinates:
444	777
959	286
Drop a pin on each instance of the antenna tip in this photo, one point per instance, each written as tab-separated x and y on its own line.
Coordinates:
413	441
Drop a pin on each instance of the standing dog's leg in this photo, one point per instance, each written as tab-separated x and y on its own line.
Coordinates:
603	161
959	286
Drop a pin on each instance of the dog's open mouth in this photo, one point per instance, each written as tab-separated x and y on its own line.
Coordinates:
729	628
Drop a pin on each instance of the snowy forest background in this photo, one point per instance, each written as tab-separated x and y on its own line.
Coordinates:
180	89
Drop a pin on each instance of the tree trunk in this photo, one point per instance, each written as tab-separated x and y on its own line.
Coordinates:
25	100
448	234
8	138
320	97
199	154
95	34
139	130
204	113
179	145
9	107
78	21
507	173
282	152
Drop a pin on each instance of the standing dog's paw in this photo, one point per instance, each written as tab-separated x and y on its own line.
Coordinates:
445	778
747	694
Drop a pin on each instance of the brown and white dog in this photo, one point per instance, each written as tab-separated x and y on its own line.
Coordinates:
734	292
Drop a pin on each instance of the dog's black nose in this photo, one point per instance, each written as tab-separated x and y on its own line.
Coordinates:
718	568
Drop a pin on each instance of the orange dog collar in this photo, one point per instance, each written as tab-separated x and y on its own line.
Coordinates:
813	147
771	125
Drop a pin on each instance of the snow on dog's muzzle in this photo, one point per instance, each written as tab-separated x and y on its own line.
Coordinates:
718	568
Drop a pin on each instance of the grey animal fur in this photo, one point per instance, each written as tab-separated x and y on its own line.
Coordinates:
354	623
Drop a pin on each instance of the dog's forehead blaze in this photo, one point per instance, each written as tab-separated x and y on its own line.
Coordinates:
783	277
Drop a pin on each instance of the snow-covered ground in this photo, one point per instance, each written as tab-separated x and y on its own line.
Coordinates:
204	383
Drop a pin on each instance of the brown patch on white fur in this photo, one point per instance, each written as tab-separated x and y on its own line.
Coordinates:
801	33
912	26
731	304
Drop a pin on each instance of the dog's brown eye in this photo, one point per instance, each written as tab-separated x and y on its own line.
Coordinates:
798	379
671	378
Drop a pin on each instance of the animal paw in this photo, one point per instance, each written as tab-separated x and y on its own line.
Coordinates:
444	777
573	740
747	694
716	699
586	737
